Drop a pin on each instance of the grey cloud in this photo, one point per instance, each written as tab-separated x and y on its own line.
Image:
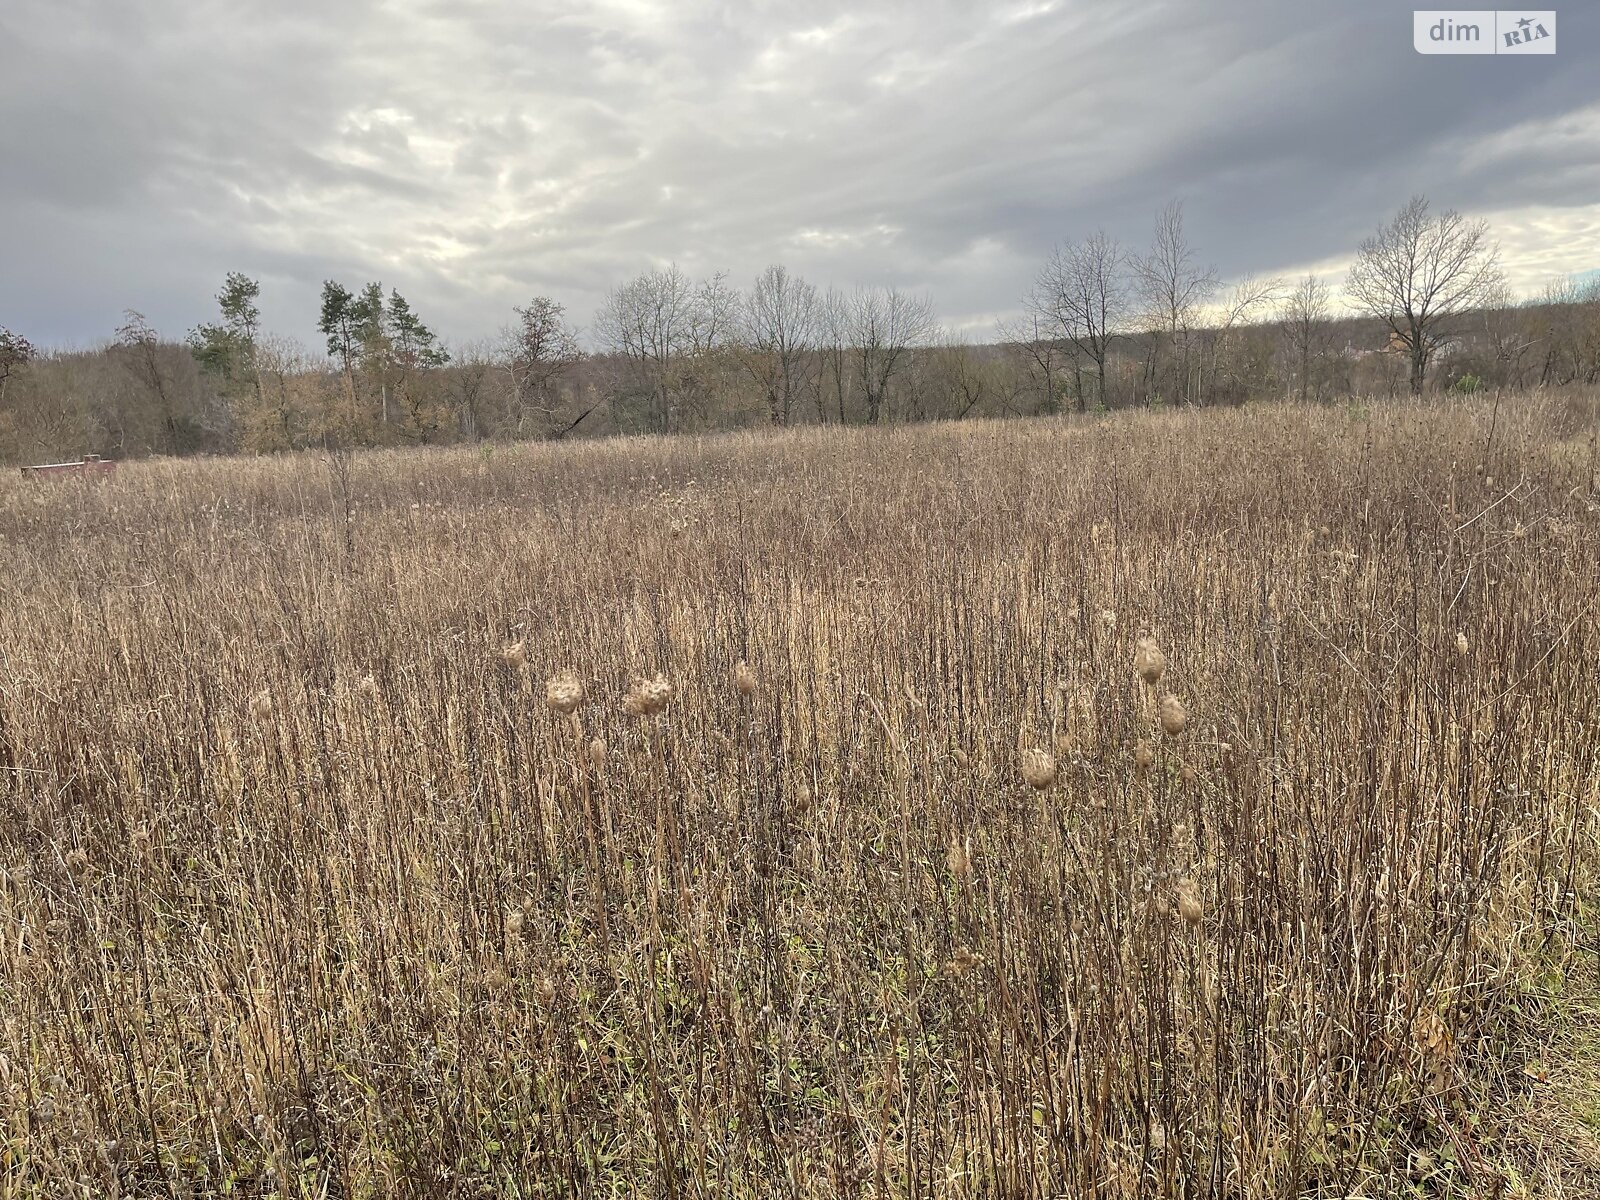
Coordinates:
472	154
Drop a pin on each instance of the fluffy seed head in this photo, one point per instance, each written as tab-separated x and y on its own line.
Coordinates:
963	961
1148	660
564	693
959	857
1038	768
1172	715
647	697
744	678
1188	900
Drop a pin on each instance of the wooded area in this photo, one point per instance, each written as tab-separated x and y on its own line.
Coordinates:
1102	326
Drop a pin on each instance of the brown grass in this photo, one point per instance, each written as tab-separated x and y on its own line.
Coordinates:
310	886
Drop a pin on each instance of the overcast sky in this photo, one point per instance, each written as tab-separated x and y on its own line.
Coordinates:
474	153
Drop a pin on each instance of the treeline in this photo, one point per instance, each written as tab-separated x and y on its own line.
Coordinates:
1103	326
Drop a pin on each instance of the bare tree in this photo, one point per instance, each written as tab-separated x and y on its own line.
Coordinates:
779	328
1420	271
1040	354
1081	297
141	348
883	325
713	315
1509	335
1235	358
1174	287
649	321
467	388
1303	318
537	353
834	321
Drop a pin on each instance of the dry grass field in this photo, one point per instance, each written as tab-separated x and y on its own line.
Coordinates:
1169	805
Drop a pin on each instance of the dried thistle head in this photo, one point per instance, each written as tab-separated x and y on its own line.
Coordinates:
1187	897
516	656
563	693
1038	768
261	706
962	961
647	696
744	679
1148	660
959	857
1172	715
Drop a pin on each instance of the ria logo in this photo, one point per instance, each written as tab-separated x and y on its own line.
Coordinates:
1484	31
1528	30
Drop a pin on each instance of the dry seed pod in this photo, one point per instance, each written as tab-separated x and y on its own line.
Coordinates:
1172	714
1188	898
1038	768
563	693
647	697
962	961
744	678
959	857
1148	660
